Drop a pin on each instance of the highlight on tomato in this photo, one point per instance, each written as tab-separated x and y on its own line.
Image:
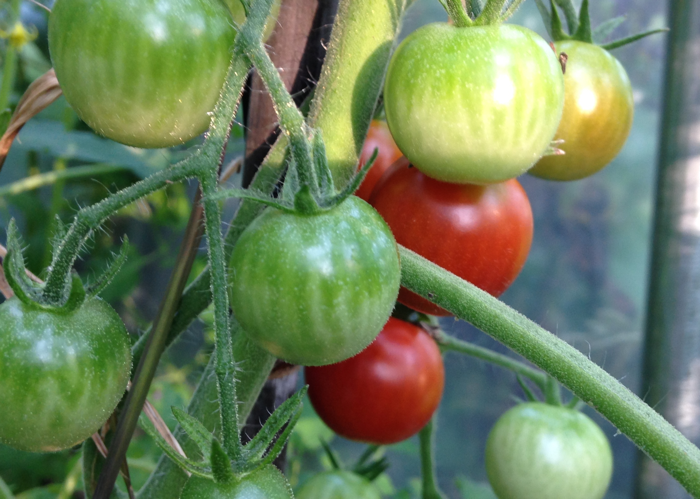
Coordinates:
387	392
139	73
480	233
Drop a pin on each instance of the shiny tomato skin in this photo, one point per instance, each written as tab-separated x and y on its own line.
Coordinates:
317	289
475	105
338	484
387	392
145	73
62	373
539	451
264	483
597	116
379	137
480	233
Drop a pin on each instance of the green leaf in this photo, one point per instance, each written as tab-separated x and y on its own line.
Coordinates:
112	270
196	431
606	28
220	464
570	13
630	39
51	136
186	464
283	415
5	117
583	33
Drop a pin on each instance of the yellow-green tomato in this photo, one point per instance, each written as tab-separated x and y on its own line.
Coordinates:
146	73
315	289
476	105
539	451
598	113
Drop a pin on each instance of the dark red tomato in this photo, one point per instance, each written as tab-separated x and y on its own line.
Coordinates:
379	137
480	233
384	394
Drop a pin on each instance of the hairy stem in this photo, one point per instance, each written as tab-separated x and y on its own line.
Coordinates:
431	490
457	13
450	344
645	427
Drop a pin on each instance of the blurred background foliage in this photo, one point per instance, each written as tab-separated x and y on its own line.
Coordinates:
585	279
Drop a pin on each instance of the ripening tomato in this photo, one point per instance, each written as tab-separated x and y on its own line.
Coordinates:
145	73
474	105
384	394
379	137
598	113
62	372
480	233
539	451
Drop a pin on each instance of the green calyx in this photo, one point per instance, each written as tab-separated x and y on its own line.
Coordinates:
308	188
369	465
551	392
480	12
32	293
216	464
579	25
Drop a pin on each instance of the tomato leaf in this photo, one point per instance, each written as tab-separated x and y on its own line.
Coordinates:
606	28
630	39
583	33
220	463
183	462
196	431
112	270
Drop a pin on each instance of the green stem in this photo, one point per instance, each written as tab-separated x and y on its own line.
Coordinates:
291	120
362	39
149	361
448	343
552	392
491	13
457	13
225	366
168	478
57	175
431	490
9	71
645	427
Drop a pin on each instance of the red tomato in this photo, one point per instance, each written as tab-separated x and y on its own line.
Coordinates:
384	394
379	137
480	233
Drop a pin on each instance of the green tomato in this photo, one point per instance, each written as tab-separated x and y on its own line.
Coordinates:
264	483
598	113
475	105
338	484
315	290
538	451
145	73
62	373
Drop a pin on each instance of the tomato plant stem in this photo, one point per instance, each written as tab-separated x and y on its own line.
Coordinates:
35	181
427	460
457	13
351	80
451	344
644	426
291	120
149	362
225	367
